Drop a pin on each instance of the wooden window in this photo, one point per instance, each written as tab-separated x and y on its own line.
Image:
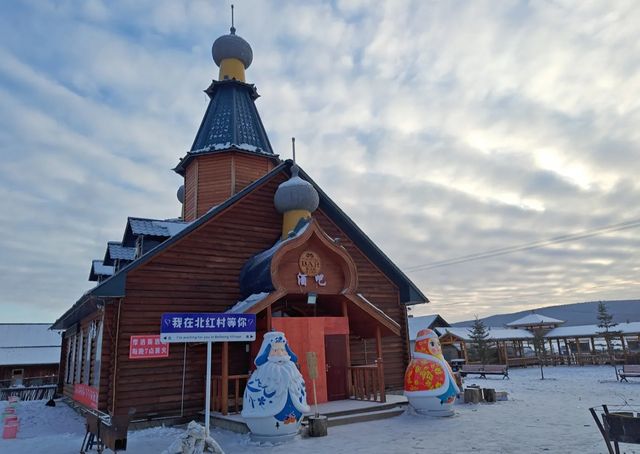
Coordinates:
86	366
73	341
68	360
78	370
16	377
98	356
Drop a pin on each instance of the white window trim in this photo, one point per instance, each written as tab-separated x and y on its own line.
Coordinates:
98	359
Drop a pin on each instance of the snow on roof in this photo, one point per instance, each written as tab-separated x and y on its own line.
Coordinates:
243	306
174	227
418	323
118	251
535	319
29	343
494	333
155	227
14	356
593	330
101	269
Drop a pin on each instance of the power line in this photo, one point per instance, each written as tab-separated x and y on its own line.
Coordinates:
444	295
527	246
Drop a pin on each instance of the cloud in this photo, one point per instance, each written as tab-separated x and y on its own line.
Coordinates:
466	126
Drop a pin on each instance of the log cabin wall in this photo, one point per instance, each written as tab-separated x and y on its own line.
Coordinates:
200	274
211	179
248	168
82	370
197	274
62	370
384	294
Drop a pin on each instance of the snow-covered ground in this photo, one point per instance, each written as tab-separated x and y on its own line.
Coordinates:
540	416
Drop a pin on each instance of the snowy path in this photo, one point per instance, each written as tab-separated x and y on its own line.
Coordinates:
541	416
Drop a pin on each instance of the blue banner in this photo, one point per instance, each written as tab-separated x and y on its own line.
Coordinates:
203	327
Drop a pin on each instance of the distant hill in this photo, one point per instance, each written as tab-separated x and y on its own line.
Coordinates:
572	314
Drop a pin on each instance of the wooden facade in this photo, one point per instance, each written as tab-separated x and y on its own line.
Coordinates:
229	218
213	178
199	273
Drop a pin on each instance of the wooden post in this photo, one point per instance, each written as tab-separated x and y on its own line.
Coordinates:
269	318
464	351
566	346
345	314
506	353
383	397
225	378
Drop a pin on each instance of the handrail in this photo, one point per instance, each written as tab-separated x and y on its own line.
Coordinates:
366	381
220	394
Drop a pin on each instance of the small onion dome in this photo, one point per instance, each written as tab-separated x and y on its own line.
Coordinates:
232	46
296	194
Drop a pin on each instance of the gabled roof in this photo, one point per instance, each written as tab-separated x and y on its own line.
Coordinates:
28	343
231	122
425	321
99	269
494	333
535	320
593	330
114	286
151	227
116	251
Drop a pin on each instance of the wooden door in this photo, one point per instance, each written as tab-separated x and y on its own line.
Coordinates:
335	351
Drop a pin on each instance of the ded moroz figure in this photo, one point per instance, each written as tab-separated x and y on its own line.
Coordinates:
275	397
429	383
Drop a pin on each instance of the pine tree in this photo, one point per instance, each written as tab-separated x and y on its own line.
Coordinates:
605	321
479	334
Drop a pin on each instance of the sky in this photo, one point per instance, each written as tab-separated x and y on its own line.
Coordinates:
442	128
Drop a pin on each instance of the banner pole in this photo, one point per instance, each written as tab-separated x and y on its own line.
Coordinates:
208	392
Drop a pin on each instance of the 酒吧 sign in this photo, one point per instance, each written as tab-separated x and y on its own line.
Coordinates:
207	327
147	346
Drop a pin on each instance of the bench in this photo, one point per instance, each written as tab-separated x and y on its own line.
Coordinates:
629	370
484	370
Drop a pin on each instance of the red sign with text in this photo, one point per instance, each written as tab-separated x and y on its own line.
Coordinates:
86	395
147	346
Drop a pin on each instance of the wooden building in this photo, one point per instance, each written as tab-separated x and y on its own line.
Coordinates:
29	359
256	235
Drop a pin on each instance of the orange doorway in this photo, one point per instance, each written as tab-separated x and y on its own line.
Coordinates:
310	334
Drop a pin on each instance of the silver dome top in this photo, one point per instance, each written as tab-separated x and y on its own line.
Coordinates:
296	194
232	46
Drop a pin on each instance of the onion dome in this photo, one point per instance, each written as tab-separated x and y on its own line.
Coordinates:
232	46
296	194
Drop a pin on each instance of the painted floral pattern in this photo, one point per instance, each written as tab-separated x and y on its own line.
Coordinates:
423	375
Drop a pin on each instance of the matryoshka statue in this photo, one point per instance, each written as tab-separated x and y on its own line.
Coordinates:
275	397
429	383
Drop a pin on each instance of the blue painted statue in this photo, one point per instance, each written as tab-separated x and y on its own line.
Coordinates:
275	397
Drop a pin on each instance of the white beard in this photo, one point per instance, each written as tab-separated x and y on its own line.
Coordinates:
270	385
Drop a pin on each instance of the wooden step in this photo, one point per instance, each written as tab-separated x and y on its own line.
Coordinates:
366	416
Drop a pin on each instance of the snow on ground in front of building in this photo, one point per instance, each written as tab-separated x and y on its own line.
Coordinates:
540	416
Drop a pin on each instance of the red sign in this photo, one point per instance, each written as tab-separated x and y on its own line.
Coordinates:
147	346
86	395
